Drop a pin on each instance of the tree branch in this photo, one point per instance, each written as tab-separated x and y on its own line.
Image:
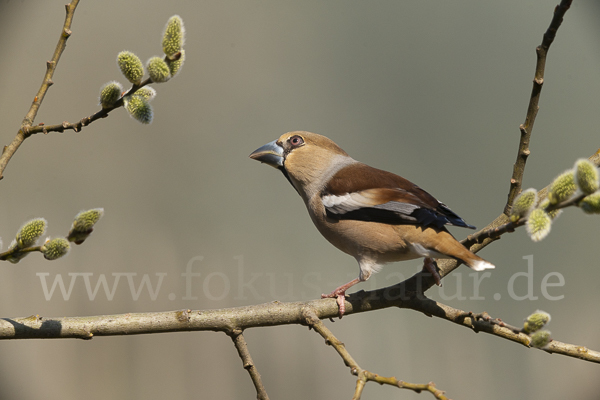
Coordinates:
242	348
26	129
483	323
447	266
77	126
363	375
402	295
532	109
9	150
496	232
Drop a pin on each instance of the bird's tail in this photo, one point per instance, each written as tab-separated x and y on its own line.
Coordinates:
478	264
456	250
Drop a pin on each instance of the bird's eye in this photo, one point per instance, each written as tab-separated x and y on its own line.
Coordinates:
296	141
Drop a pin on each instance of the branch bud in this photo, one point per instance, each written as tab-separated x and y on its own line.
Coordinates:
554	213
147	93
158	70
29	233
173	36
538	224
110	94
540	339
139	108
175	65
84	225
523	204
591	204
587	176
536	321
562	188
131	66
54	249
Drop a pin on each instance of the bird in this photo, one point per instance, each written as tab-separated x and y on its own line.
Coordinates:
375	216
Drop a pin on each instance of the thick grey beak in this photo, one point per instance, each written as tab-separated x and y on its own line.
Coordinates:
271	153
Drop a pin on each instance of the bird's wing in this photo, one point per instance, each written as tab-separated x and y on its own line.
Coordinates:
365	193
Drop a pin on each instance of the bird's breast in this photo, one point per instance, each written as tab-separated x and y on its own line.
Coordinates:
379	241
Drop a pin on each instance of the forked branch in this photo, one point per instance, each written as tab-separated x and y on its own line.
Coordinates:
9	150
364	376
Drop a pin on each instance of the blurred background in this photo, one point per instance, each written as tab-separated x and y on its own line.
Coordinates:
432	90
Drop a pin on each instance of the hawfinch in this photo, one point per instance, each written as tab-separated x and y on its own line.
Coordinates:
375	216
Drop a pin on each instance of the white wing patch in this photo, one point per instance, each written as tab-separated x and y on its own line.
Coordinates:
346	203
364	199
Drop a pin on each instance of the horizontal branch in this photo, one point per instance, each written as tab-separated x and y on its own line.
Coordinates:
402	295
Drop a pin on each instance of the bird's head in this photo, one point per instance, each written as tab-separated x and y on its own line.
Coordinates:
305	158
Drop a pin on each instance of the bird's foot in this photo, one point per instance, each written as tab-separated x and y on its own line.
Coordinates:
340	297
430	266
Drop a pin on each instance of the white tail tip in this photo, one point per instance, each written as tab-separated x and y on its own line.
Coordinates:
481	265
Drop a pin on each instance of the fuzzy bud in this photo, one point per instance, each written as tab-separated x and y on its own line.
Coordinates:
29	233
147	93
174	36
175	65
591	204
158	70
562	188
84	225
538	224
110	94
540	339
131	66
139	109
523	204
54	249
587	176
536	321
554	213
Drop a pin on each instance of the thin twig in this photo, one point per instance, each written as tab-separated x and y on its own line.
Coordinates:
447	266
26	129
65	33
6	255
533	107
77	126
494	321
240	344
484	323
363	375
103	113
510	226
496	232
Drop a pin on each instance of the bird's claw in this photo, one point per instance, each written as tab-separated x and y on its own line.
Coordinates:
340	299
430	266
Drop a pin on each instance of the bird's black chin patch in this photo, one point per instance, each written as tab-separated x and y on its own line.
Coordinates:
287	176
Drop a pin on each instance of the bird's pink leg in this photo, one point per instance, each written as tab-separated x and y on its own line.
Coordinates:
429	266
340	295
